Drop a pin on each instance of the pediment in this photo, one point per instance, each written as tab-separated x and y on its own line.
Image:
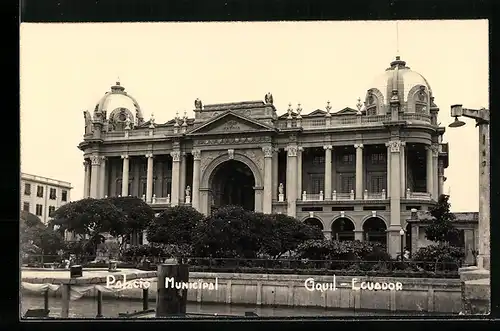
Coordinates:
347	111
230	122
317	112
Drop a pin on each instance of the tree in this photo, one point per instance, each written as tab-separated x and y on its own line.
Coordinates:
30	220
441	229
229	232
284	233
90	217
137	215
174	226
37	238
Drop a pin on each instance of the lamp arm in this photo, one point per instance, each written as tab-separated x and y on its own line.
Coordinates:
480	115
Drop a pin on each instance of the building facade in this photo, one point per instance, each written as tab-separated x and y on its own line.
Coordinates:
42	196
355	173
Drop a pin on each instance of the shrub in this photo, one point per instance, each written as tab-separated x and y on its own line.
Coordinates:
441	256
342	250
155	252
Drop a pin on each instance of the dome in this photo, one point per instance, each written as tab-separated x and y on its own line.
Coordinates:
118	103
411	87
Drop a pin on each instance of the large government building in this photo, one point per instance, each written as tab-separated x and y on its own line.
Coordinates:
356	173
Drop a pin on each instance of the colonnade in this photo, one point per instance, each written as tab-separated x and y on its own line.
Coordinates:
95	183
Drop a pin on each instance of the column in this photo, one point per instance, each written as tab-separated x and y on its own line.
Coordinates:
484	197
268	180
182	181
195	199
394	238
125	175
275	173
149	178
388	191
291	187
174	196
299	172
402	155
328	172
435	174
333	173
359	171
429	174
440	177
94	179
86	181
103	178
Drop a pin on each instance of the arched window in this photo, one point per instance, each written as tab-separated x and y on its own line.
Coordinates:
374	230
342	229
314	222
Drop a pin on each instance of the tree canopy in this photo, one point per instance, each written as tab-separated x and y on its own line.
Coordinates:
441	229
36	237
90	217
174	226
284	233
137	214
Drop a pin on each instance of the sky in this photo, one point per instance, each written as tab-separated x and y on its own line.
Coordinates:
66	68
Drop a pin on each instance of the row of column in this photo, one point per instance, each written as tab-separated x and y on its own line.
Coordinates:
95	176
396	172
294	166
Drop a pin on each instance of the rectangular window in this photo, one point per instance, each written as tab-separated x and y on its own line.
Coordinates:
377	184
316	183
346	183
27	189
318	159
26	206
39	191
347	159
39	210
378	158
64	195
372	111
52	194
52	209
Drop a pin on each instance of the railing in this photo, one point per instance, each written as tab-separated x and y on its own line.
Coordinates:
312	197
334	121
321	197
374	195
417	195
343	196
416	117
392	268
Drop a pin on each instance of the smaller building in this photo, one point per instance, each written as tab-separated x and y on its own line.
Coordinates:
42	196
465	222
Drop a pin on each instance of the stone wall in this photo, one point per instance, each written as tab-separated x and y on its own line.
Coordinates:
426	295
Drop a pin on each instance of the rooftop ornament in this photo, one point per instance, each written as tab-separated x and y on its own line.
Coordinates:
328	109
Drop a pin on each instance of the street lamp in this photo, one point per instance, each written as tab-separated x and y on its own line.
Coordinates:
402	235
482	118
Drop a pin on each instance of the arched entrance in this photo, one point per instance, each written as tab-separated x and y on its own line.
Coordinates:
342	229
375	230
232	183
312	221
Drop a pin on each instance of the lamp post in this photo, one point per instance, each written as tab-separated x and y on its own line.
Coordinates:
402	236
482	117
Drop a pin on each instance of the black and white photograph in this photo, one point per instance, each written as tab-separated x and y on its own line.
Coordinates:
254	169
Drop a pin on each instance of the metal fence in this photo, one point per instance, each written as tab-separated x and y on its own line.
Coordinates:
407	268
